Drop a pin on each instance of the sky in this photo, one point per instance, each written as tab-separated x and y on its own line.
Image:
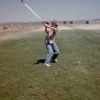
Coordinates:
14	10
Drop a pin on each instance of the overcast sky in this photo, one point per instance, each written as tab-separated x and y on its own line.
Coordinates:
13	10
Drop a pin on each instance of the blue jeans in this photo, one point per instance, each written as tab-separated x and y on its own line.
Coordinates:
53	52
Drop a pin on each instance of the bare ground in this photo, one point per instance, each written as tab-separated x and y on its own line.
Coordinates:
21	31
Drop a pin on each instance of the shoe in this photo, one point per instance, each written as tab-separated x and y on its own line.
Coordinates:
48	65
56	60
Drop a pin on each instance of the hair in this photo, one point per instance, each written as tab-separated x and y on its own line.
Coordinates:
47	22
54	24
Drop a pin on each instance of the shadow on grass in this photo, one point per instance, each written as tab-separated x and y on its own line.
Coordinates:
40	61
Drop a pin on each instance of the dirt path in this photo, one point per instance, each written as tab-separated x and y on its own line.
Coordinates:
23	34
16	35
29	33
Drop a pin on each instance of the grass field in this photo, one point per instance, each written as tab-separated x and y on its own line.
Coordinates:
75	77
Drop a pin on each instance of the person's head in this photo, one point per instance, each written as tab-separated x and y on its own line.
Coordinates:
54	24
47	23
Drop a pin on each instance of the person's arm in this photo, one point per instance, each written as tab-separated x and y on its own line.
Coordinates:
46	30
45	26
48	26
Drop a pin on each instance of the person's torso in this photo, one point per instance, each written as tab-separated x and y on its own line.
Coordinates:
50	36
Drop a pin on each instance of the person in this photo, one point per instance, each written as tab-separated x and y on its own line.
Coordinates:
53	50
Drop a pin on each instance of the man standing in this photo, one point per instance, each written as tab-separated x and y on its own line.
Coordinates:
53	51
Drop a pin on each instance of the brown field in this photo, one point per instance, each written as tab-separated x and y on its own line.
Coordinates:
18	30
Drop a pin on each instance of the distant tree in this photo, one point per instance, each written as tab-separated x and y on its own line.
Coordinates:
87	22
71	22
5	27
64	22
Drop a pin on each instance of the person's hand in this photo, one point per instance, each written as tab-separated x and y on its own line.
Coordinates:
46	25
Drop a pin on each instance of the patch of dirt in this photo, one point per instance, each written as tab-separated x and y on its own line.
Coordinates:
48	93
13	31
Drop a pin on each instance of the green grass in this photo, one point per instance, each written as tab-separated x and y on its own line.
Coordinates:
75	77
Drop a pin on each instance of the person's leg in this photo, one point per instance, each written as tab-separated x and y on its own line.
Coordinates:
49	55
56	52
